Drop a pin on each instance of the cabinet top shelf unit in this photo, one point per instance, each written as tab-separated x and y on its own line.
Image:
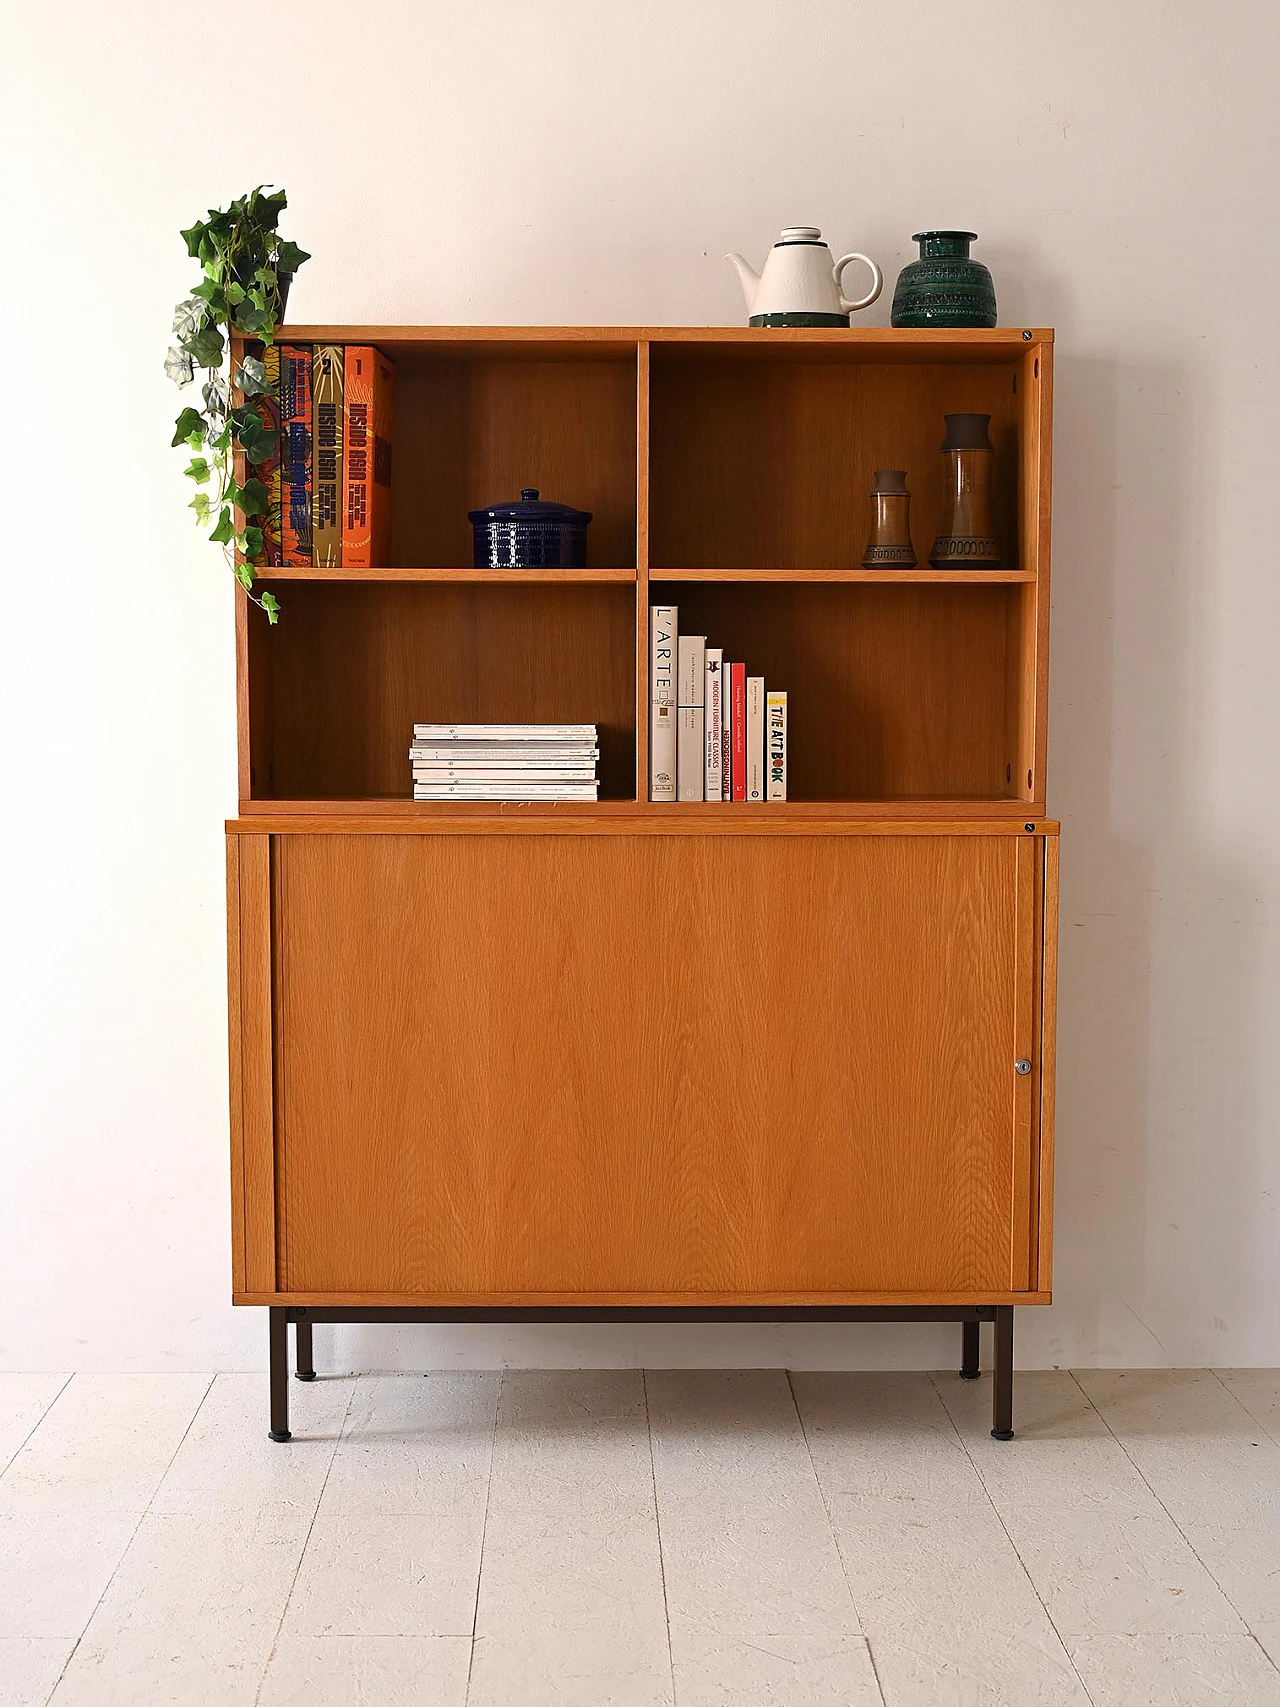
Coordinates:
729	471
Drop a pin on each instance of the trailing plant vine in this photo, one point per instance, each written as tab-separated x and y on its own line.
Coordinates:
247	270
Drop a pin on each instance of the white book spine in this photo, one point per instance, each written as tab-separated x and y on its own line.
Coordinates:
776	713
756	773
691	689
662	701
713	711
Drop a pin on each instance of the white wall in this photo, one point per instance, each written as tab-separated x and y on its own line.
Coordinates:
566	162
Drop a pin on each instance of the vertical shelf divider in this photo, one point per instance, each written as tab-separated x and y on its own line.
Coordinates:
642	572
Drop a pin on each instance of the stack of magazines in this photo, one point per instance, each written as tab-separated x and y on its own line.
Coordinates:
504	761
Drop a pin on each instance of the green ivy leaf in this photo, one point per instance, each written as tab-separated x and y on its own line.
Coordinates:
244	574
252	377
255	320
271	605
178	366
289	257
198	470
189	425
193	238
206	347
234	294
200	504
254	498
221	535
260	447
250	542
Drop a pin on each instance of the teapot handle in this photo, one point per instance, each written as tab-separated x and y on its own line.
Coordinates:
877	283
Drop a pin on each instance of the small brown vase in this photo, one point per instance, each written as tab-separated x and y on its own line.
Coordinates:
889	546
966	539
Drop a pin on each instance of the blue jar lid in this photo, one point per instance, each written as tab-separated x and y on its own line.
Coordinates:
529	508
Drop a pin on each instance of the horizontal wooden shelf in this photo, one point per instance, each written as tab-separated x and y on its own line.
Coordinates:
503	577
586	343
954	577
646	815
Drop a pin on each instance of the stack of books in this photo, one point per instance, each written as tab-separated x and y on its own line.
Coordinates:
504	761
715	733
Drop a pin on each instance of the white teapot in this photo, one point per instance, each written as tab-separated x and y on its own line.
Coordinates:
799	285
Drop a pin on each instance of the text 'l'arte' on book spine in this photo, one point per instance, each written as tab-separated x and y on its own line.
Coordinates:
662	702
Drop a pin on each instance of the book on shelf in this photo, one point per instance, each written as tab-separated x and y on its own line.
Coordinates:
713	712
367	403
690	739
738	714
295	455
662	702
267	404
755	738
327	373
730	738
776	714
504	761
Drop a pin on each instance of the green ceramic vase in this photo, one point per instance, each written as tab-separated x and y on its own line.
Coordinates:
944	287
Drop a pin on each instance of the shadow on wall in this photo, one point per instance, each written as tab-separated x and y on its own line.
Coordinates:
1157	1004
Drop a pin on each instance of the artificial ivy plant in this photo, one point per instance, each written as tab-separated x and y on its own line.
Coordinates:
247	270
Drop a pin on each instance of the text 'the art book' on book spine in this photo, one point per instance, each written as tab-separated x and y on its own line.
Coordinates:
295	454
756	774
368	378
776	718
662	701
690	741
713	713
738	712
326	458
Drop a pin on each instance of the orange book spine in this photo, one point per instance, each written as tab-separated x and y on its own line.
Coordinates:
357	460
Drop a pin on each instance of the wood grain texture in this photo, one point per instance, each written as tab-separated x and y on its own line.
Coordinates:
1028	937
470	432
535	343
234	1077
608	819
487	1093
1048	1066
353	666
770	464
643	600
477	577
892	690
257	1065
632	1300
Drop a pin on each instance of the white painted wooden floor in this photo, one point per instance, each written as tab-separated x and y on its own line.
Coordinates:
607	1539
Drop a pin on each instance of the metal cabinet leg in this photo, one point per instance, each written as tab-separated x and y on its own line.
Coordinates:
306	1370
278	1337
1002	1397
970	1366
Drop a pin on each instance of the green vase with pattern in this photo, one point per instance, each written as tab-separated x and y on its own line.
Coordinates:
944	287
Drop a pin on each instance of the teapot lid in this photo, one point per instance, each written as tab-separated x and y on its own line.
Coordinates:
800	234
529	508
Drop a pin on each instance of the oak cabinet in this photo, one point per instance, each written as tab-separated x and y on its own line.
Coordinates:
642	1059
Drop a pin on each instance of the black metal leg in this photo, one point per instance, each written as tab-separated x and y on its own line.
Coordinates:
278	1336
306	1361
1002	1396
970	1365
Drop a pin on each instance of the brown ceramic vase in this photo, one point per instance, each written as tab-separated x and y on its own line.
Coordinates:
966	539
889	546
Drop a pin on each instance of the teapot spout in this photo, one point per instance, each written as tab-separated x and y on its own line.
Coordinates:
748	277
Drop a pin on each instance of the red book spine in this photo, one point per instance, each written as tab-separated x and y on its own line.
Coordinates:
384	385
738	703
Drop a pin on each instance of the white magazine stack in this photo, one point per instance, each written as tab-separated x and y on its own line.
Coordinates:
505	761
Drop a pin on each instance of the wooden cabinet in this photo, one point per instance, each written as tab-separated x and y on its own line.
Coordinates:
632	1057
